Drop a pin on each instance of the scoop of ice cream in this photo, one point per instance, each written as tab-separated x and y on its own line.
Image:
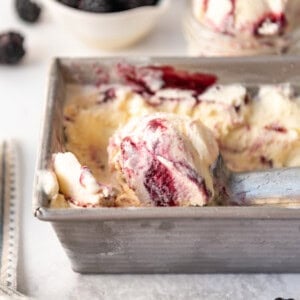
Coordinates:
242	17
271	135
164	160
77	183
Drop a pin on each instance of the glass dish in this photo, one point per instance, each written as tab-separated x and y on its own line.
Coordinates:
203	41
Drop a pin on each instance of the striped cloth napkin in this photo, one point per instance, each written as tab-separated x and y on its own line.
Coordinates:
9	233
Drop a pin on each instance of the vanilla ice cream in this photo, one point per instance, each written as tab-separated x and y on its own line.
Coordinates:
165	160
254	131
77	183
271	135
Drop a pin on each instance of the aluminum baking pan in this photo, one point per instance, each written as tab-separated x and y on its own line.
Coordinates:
177	239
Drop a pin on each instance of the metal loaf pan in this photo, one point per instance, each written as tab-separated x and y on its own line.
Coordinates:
170	240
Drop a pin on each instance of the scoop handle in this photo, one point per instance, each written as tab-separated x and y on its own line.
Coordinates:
276	186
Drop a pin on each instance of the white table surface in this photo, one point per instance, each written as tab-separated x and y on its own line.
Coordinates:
44	270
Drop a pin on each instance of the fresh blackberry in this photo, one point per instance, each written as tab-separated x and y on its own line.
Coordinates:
102	6
72	3
11	47
129	4
27	10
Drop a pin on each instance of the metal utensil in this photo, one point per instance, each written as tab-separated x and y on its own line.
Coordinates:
274	186
9	166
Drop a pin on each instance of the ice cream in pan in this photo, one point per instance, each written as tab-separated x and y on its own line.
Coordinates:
168	158
164	160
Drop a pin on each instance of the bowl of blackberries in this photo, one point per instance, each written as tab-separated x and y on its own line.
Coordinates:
108	24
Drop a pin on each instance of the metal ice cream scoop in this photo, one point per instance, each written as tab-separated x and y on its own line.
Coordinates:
270	187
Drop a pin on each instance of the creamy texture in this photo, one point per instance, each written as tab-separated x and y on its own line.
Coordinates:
92	115
242	17
164	160
253	130
271	135
90	121
77	183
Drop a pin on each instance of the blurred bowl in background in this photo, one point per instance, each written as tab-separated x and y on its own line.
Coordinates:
109	31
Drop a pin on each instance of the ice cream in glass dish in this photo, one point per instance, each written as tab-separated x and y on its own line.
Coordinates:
241	27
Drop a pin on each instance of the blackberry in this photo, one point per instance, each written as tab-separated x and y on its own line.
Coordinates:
129	4
72	3
102	6
11	47
27	10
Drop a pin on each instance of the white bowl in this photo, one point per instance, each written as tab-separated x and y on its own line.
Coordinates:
108	30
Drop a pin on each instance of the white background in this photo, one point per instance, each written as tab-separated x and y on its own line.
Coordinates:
44	270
